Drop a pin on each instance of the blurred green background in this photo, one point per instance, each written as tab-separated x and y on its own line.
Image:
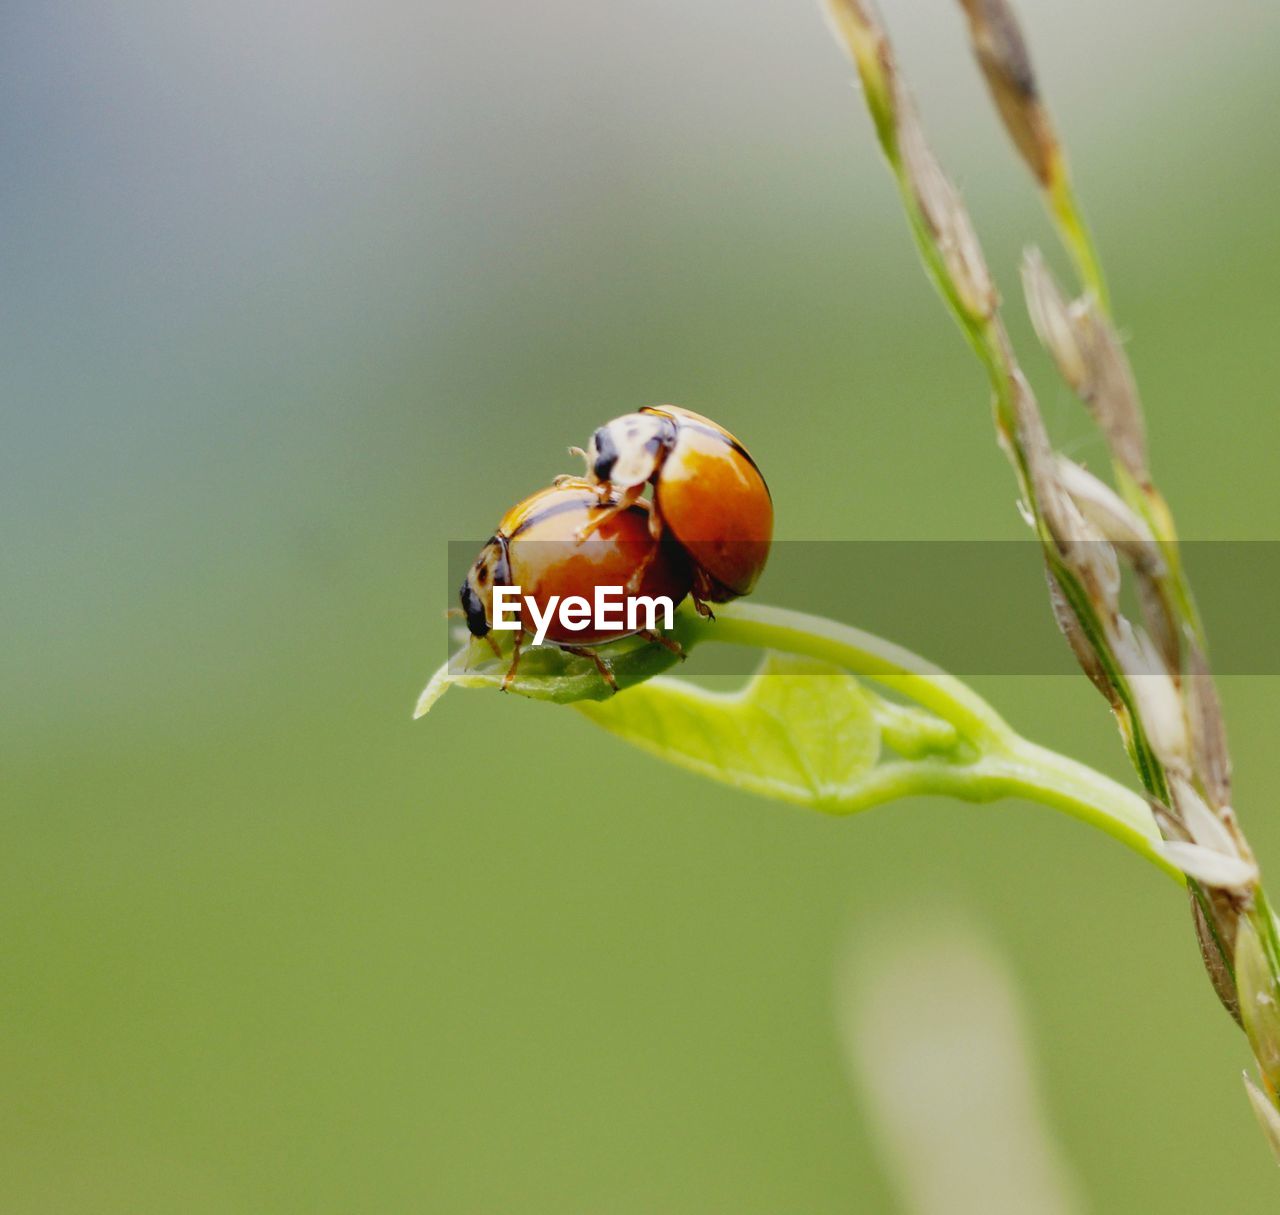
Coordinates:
296	293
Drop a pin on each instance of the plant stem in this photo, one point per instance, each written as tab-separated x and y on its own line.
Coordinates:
1065	209
1062	783
861	653
1004	763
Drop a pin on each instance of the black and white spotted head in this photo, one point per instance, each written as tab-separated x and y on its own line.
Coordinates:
629	451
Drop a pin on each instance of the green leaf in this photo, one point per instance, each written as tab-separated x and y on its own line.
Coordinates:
547	672
801	730
805	730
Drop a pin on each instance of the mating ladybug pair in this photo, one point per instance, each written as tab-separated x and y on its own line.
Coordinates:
705	531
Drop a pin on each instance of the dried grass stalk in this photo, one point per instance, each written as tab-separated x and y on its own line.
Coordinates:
1156	678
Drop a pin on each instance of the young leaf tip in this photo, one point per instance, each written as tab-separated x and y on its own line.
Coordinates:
1215	869
550	673
1268	1116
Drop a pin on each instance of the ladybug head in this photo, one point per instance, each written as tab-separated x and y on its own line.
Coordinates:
628	451
476	592
473	609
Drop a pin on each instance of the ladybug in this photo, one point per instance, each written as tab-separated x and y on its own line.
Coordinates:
542	546
708	493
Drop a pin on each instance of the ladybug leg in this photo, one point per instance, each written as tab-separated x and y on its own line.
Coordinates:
666	642
509	678
451	613
655	523
576	481
703	586
575	478
606	671
636	580
624	501
489	637
493	645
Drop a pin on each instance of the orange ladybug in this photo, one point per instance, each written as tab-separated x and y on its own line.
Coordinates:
564	542
708	493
